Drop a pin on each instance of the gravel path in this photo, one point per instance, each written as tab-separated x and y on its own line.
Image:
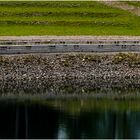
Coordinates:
64	48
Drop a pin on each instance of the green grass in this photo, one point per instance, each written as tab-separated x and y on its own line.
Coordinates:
65	18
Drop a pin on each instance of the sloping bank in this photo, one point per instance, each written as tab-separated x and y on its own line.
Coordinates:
61	74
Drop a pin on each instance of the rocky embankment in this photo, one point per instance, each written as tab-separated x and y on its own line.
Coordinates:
68	73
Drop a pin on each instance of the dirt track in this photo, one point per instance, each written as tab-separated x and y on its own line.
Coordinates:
123	6
68	39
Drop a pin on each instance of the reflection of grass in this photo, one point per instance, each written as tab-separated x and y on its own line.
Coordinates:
65	18
75	106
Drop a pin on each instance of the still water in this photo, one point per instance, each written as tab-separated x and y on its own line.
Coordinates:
69	118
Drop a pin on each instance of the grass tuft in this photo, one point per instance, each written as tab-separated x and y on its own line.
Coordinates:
130	58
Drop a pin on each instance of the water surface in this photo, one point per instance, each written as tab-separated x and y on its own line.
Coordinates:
69	118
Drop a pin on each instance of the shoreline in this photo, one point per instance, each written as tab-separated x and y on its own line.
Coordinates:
98	96
61	74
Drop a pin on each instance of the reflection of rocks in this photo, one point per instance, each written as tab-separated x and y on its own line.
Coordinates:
66	73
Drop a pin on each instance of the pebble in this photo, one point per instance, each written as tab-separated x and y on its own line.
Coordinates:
33	76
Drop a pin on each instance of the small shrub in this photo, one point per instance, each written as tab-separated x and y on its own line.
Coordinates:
130	58
88	57
4	60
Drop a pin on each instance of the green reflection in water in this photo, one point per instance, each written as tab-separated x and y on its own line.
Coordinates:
75	106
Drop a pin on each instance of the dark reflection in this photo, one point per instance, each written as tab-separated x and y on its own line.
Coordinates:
37	120
43	122
7	121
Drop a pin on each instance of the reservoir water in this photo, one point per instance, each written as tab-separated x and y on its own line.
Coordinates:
69	118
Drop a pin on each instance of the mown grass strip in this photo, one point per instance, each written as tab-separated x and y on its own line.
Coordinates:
18	30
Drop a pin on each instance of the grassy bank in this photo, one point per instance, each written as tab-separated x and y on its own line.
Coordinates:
65	18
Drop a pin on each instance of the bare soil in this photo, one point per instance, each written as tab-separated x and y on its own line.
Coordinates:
124	6
68	38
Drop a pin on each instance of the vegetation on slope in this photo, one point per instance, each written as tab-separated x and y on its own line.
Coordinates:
133	3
